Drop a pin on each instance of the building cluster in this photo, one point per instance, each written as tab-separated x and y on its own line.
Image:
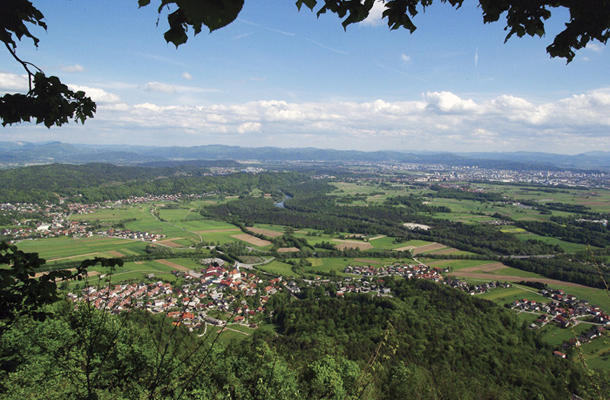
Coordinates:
134	235
444	173
475	289
563	309
566	310
419	271
210	289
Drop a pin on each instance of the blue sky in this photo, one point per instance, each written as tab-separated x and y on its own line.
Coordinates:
278	77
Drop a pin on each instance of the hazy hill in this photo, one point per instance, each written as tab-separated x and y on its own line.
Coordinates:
21	153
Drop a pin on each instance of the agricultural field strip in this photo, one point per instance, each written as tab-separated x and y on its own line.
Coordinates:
173	265
348	244
287	250
512	278
253	240
266	232
218	230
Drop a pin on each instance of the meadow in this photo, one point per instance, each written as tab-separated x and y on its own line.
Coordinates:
77	249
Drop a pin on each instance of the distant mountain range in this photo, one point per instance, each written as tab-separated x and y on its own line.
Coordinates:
22	153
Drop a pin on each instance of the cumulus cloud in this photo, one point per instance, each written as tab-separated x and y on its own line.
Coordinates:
447	102
249	127
13	82
98	95
405	58
187	76
438	121
73	68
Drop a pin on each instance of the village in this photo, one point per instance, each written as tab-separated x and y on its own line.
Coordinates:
565	311
32	221
215	291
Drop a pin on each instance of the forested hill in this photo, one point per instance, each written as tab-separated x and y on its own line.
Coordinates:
427	342
22	153
98	182
439	344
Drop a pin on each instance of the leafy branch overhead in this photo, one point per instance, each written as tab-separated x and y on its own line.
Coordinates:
48	101
589	19
22	293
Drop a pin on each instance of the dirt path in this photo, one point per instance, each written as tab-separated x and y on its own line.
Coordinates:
231	329
378	237
406	248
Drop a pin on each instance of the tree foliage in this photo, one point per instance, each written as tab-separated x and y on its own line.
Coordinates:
24	294
48	101
589	20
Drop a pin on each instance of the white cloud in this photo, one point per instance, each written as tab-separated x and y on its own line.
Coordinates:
375	15
448	102
249	127
98	95
160	87
439	121
13	82
405	58
187	76
73	68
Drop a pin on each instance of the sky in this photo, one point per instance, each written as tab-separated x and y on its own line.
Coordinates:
281	77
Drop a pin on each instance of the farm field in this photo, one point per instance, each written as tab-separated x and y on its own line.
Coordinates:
115	214
67	248
278	268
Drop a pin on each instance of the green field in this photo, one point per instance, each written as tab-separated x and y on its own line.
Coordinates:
455	265
65	248
508	295
116	214
597	353
278	268
174	215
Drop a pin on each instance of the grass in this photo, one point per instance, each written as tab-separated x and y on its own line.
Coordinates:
456	265
173	215
594	296
278	268
56	248
508	295
597	353
556	336
204	225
